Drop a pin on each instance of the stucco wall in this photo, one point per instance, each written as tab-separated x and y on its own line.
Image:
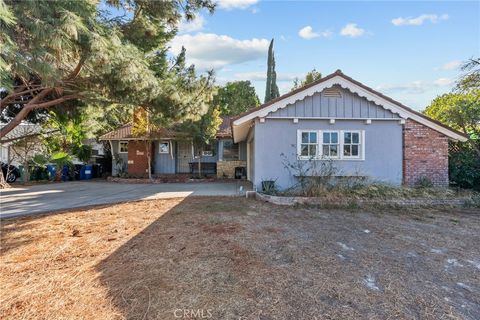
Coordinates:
383	149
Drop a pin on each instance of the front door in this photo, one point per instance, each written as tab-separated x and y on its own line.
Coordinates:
184	156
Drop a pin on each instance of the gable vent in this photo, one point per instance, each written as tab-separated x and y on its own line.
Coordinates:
332	92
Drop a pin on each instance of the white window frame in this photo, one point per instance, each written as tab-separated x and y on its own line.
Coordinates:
339	149
341	142
120	146
168	147
360	144
299	145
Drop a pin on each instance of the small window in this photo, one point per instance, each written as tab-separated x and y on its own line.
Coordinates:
230	150
123	147
351	144
164	147
208	150
330	145
308	144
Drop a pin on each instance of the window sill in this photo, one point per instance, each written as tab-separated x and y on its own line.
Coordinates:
328	159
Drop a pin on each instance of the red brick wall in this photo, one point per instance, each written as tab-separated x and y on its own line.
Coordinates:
137	159
425	154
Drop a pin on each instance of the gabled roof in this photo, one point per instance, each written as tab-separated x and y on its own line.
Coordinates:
242	122
125	132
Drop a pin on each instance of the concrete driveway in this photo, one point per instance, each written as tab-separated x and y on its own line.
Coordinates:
36	199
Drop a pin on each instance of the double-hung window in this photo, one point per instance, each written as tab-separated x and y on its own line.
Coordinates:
308	144
330	144
351	144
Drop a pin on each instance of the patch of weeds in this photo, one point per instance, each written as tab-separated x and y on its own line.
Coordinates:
215	220
473	202
456	221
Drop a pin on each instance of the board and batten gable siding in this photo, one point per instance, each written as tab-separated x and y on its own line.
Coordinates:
274	137
322	105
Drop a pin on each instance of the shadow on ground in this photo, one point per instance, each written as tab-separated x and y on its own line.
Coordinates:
234	258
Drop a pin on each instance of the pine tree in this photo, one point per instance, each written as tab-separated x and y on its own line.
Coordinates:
271	90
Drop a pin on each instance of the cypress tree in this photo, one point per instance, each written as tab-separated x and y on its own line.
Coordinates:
271	90
268	89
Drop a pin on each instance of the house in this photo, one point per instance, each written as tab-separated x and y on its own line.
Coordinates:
173	153
336	119
357	129
23	142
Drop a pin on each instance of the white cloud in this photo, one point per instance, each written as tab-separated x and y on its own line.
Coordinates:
416	87
418	21
209	50
452	65
351	30
443	82
262	76
308	33
193	25
235	4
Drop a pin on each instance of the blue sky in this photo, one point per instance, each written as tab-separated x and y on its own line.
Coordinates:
408	50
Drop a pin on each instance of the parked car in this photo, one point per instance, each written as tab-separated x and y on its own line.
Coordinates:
13	172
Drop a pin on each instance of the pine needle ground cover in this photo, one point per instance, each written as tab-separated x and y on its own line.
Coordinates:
232	258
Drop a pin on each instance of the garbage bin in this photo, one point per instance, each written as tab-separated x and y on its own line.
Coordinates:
88	171
65	173
52	170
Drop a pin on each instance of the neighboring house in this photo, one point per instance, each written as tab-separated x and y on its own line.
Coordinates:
173	153
12	148
361	131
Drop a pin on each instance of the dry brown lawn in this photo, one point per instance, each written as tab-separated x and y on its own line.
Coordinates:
232	258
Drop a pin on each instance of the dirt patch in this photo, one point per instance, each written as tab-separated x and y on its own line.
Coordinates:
237	258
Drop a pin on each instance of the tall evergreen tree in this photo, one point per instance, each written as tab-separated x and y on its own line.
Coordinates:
271	90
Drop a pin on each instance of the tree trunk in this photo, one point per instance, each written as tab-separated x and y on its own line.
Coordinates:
26	171
148	149
200	165
3	182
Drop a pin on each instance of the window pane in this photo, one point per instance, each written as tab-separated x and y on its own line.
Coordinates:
313	137
304	137
325	151
333	150
348	137
346	150
355	137
312	150
230	150
326	137
334	137
355	150
304	150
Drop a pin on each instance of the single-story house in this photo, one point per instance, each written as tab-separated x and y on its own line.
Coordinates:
335	120
357	129
173	153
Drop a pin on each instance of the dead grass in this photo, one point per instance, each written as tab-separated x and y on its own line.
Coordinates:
243	259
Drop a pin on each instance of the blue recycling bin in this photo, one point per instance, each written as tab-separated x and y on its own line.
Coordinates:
52	170
86	172
65	173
